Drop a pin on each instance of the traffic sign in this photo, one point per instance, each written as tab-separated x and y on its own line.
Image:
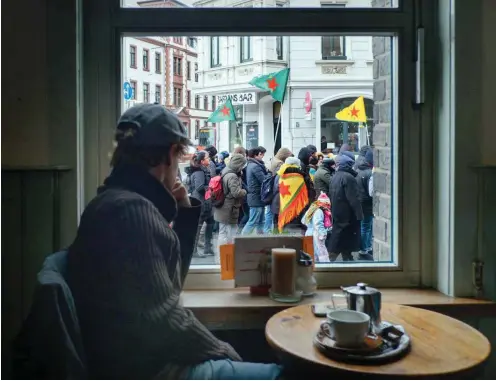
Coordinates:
128	91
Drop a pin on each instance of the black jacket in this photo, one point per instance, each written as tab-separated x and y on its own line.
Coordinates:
346	211
126	270
255	175
198	179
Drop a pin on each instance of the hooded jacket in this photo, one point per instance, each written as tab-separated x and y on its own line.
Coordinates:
322	178
304	156
278	160
255	175
346	208
234	193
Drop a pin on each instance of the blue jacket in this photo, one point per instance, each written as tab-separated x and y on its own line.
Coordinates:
49	345
255	175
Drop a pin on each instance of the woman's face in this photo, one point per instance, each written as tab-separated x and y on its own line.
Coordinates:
205	161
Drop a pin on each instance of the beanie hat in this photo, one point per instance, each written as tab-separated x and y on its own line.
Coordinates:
323	199
292	161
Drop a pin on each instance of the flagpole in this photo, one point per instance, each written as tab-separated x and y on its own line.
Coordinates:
278	125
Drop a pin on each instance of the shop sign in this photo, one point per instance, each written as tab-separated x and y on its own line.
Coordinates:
241	98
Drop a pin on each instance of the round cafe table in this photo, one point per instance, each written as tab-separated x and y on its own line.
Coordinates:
441	346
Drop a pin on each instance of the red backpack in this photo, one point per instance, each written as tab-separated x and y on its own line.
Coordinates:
215	191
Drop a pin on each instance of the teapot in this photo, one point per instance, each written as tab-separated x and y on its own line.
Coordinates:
364	299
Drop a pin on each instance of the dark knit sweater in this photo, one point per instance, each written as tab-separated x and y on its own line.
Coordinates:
126	269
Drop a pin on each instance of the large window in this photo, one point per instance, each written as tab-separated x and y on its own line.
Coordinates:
245	49
333	47
280	47
158	93
380	76
146	56
197	102
178	96
188	70
178	66
196	72
158	63
214	51
188	98
132	56
146	92
134	86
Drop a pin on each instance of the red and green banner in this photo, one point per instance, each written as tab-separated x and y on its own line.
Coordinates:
274	83
224	112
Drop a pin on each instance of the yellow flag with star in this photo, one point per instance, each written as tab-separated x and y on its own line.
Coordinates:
293	195
354	112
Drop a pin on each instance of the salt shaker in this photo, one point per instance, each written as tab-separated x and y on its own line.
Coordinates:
305	281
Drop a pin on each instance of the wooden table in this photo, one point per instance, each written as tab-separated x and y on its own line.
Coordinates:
441	346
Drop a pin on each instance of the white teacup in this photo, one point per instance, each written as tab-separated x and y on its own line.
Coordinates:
346	327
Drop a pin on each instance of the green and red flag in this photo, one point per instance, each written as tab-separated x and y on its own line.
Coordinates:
223	112
274	83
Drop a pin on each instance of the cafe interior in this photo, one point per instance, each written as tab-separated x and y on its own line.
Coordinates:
430	314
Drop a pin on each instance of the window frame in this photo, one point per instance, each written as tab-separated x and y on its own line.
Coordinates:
188	70
158	63
245	41
132	53
215	62
159	88
146	54
331	57
146	85
205	102
135	88
105	85
197	102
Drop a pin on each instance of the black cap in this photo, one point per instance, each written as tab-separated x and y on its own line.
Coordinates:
156	126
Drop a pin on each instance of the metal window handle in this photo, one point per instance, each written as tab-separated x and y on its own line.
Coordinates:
420	68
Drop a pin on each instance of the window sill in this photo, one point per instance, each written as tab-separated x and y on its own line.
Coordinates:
237	309
336	61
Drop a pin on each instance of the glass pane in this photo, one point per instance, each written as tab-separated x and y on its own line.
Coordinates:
337	102
259	3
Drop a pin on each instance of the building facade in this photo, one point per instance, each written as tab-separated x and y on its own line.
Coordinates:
330	71
164	70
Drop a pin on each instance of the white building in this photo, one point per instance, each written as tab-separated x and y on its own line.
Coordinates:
144	68
331	70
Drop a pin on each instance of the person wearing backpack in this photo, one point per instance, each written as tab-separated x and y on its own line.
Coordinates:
227	214
199	177
255	176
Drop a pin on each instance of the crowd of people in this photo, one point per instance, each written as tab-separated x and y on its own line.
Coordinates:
321	194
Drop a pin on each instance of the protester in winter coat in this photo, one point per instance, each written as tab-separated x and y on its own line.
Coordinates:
198	179
212	153
322	178
346	210
365	163
278	160
318	220
296	192
227	215
255	175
